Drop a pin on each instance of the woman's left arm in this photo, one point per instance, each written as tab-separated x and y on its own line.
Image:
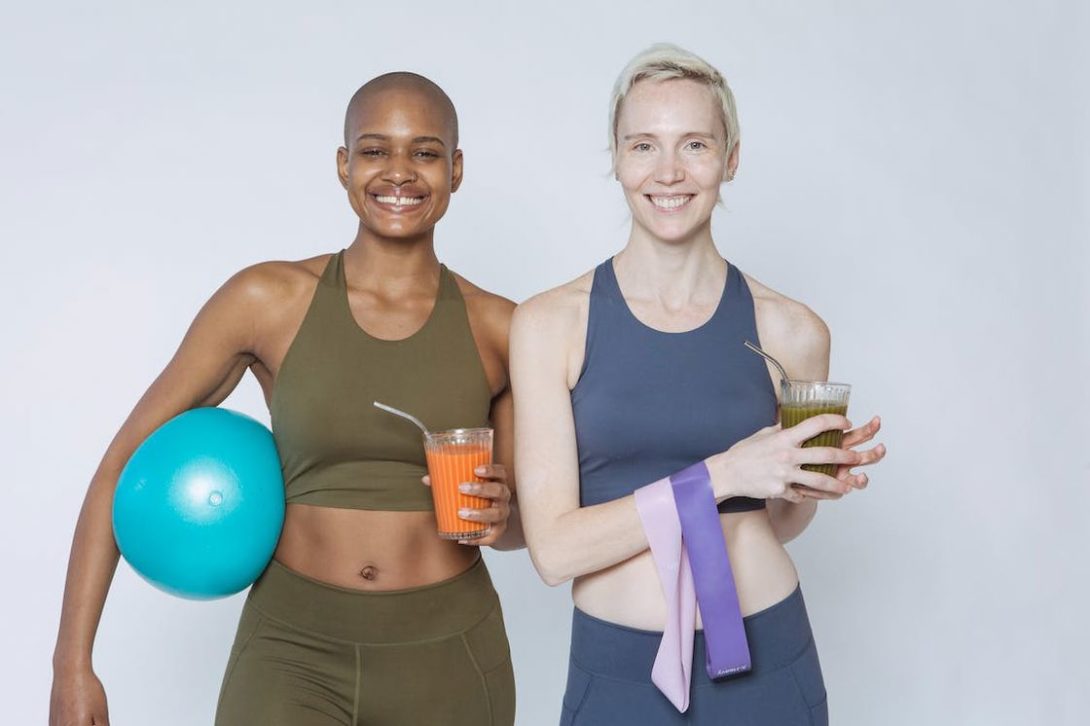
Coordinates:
492	317
508	532
801	342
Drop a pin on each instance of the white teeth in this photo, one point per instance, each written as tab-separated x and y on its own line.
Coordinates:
670	202
400	201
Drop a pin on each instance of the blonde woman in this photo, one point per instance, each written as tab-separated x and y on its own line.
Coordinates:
637	370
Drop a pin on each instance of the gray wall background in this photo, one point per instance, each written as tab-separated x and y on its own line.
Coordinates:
915	171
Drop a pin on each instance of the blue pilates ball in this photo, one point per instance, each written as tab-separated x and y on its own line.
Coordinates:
199	507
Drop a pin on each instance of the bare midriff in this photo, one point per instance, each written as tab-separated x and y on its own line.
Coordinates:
629	593
368	550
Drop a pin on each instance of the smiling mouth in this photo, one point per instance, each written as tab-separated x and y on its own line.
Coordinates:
399	202
669	202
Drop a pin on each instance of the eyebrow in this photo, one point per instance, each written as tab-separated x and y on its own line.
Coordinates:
417	140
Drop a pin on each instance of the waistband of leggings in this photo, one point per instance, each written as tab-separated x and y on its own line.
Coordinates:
427	612
777	635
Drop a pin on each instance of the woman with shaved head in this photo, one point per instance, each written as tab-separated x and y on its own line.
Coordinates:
364	616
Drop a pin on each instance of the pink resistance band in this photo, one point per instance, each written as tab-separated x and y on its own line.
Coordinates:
679	516
672	671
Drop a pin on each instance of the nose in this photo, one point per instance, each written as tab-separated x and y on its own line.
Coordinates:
399	170
668	168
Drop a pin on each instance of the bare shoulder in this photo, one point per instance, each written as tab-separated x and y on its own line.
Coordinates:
562	308
487	309
267	298
550	329
276	279
268	290
790	330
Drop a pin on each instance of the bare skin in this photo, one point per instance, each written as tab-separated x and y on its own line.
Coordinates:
401	547
249	324
671	147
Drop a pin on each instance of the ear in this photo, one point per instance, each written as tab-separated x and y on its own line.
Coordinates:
456	170
732	163
342	166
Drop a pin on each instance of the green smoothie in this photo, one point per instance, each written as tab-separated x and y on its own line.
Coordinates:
794	413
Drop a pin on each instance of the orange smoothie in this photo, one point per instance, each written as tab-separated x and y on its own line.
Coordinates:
450	464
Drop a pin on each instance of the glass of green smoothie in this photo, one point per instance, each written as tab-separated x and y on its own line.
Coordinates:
803	399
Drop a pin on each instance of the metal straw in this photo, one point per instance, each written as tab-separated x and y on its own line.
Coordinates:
402	414
767	357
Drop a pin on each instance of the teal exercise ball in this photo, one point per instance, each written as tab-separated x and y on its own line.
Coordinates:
199	507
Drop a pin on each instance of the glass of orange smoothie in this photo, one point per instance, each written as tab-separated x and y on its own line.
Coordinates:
452	457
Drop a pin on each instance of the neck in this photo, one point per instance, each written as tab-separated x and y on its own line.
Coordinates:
676	272
373	260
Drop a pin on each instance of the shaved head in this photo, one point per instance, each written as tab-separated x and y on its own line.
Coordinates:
405	86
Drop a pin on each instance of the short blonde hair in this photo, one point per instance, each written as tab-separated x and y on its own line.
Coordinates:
665	61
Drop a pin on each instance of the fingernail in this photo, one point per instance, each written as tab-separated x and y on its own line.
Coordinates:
464	512
465	488
479	470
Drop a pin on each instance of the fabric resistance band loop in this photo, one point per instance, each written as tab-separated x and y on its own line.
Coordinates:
672	671
724	631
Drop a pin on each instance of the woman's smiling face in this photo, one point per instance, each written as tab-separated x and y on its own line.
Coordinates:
672	156
400	164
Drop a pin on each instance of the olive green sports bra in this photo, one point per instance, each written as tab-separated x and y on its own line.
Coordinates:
336	448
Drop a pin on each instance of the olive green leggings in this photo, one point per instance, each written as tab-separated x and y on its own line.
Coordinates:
311	654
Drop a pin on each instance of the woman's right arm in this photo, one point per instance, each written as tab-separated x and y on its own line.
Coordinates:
566	540
207	366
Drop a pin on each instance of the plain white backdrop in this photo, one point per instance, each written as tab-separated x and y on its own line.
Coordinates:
914	171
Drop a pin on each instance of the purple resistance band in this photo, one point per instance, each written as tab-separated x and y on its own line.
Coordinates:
724	632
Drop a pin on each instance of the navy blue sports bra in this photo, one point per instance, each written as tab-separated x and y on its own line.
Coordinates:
648	403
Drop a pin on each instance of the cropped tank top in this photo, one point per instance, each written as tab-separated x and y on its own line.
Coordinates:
648	404
336	448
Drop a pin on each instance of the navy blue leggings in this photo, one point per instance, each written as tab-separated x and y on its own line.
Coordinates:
609	676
